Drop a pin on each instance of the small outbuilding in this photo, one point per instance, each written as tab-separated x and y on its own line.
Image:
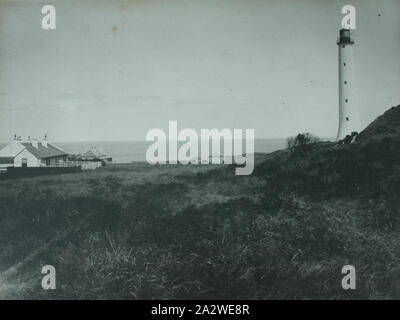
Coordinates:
95	154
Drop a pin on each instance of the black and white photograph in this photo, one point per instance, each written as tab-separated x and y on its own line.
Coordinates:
189	150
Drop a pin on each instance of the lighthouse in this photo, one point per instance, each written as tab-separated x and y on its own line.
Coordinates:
348	105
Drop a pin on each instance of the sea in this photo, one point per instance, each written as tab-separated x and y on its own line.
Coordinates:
135	151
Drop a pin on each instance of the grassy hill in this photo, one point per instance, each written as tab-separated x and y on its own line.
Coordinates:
182	232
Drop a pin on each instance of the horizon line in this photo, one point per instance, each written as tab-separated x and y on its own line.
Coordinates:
144	140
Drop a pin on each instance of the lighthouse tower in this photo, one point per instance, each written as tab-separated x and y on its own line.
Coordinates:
348	105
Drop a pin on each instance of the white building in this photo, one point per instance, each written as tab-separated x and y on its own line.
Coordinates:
348	101
31	153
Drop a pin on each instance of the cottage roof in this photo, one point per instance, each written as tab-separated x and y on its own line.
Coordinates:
43	152
11	150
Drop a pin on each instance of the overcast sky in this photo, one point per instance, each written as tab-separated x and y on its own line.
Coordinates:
112	70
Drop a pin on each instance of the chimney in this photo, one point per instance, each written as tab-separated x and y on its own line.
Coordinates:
35	143
44	141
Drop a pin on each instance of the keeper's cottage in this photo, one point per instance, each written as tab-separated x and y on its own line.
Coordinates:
31	153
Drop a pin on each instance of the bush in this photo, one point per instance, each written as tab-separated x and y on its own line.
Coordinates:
301	142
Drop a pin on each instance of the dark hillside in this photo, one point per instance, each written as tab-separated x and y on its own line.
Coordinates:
385	126
368	168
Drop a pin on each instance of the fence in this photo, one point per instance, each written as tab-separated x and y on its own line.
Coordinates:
85	165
